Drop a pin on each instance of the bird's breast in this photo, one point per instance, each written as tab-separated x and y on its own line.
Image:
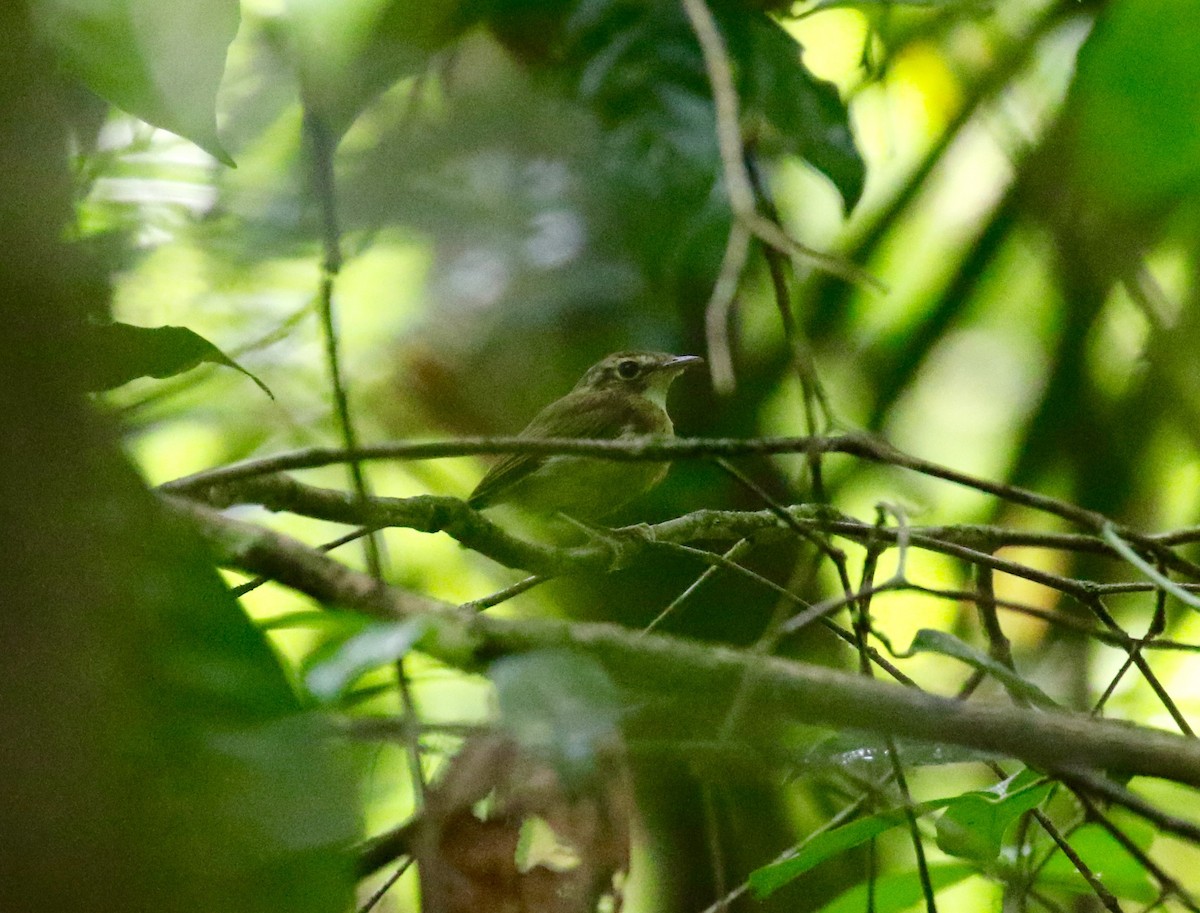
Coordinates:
643	418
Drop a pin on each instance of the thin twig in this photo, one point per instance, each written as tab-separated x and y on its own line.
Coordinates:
323	145
1168	884
719	310
1101	785
509	592
812	392
250	585
738	549
747	221
1103	894
716	858
374	899
738	185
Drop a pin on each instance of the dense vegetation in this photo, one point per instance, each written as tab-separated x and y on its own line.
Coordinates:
911	623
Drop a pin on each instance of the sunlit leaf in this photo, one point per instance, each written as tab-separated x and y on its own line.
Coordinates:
116	353
1114	865
161	62
787	109
899	891
770	878
974	824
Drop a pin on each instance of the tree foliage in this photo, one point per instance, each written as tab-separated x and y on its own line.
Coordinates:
911	623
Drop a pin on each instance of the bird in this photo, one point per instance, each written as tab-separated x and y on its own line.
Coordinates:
621	397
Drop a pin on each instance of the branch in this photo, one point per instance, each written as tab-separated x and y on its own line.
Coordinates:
748	222
862	446
783	688
432	514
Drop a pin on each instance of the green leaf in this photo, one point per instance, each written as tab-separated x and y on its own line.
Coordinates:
161	62
929	640
641	69
770	878
184	769
116	353
899	891
865	750
350	51
974	824
979	7
559	704
1116	868
375	646
1135	103
785	108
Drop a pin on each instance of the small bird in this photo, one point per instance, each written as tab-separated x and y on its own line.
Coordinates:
622	397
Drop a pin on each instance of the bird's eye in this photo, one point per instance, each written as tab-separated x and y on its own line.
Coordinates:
629	369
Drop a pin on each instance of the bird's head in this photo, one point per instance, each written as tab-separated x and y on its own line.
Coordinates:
647	374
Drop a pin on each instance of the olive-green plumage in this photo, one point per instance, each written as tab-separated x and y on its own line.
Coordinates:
623	396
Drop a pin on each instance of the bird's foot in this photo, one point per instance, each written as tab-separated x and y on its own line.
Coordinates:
622	546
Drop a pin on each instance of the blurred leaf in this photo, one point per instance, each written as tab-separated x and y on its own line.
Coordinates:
900	891
770	878
1135	103
193	778
969	6
1120	872
641	68
559	705
314	618
162	62
974	824
116	353
348	52
156	754
930	640
377	645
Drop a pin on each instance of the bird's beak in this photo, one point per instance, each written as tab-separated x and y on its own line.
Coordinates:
682	362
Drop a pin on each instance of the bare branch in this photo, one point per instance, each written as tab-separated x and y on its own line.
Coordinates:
862	446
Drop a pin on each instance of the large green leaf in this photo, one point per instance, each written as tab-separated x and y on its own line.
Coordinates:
787	109
348	52
866	754
156	756
162	62
640	67
974	824
164	755
898	891
1114	865
770	878
113	354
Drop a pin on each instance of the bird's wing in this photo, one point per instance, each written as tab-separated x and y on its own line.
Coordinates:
572	416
